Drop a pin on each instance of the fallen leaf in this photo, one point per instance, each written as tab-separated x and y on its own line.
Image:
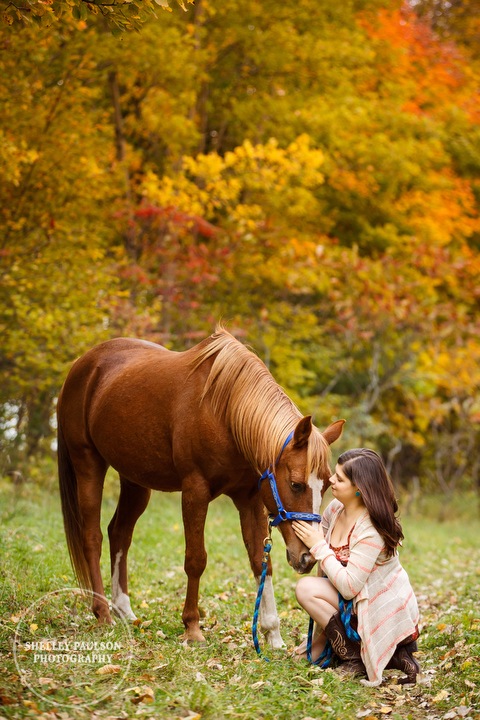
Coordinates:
46	681
144	694
108	670
385	709
442	695
32	705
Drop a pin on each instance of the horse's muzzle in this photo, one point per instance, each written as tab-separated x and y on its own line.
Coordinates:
303	564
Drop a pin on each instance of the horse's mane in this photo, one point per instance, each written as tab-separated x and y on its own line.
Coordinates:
257	410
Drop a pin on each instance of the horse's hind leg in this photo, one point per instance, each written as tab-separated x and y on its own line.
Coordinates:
91	473
132	502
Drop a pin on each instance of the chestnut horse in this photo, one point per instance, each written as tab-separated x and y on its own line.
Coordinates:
206	422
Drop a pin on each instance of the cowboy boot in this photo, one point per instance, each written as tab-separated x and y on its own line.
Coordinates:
402	659
346	650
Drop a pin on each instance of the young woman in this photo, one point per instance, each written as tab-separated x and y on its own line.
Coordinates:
356	548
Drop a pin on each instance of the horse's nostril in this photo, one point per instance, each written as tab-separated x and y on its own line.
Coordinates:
305	559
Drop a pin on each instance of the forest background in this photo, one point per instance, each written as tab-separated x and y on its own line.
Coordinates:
306	172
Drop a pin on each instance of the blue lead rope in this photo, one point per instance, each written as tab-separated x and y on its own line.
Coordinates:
346	610
282	516
266	550
324	660
326	656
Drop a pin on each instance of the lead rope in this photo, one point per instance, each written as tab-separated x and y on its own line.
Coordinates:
267	546
282	516
325	658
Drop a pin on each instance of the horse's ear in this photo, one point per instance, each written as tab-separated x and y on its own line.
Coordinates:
333	431
302	432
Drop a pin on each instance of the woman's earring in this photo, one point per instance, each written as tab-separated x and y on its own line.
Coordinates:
357	494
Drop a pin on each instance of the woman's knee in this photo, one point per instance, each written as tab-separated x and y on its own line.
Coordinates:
306	588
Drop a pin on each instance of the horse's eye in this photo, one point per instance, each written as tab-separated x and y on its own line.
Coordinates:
297	487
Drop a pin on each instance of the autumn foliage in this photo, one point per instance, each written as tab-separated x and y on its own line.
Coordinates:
306	173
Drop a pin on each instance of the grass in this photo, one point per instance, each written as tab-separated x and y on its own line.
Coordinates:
158	677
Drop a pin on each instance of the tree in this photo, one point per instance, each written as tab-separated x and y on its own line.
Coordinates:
306	172
55	281
119	14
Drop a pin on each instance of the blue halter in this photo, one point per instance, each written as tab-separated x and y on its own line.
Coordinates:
283	514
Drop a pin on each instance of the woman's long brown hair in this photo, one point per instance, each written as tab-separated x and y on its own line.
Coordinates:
365	469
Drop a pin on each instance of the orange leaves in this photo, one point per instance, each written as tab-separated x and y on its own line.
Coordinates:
443	211
434	75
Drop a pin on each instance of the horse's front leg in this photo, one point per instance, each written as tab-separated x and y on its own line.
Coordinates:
254	525
195	500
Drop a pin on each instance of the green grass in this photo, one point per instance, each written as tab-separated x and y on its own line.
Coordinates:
223	678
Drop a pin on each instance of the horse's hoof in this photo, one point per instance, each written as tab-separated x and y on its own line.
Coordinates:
274	639
192	636
105	620
128	616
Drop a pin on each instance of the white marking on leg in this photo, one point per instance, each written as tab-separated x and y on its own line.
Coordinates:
120	600
269	620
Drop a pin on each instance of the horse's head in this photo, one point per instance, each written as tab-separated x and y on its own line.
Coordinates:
301	473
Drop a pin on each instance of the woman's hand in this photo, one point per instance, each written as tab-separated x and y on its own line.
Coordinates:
307	534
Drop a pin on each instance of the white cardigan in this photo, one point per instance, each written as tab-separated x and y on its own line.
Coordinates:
383	598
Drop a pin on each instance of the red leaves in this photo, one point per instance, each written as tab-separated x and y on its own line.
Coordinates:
184	221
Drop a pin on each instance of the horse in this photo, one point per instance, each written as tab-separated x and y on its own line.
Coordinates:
205	421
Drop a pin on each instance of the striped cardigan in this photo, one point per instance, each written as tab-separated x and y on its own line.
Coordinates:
383	598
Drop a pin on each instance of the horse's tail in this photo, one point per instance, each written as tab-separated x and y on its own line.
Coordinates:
71	511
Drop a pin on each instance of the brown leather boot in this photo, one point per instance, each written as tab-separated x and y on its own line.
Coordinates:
346	650
402	659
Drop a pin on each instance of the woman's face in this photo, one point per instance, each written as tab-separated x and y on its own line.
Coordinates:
342	488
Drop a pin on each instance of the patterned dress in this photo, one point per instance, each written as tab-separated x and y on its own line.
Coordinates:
383	599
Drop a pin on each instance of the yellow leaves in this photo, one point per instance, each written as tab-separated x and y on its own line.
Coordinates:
14	159
109	670
143	694
441	696
271	180
455	369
